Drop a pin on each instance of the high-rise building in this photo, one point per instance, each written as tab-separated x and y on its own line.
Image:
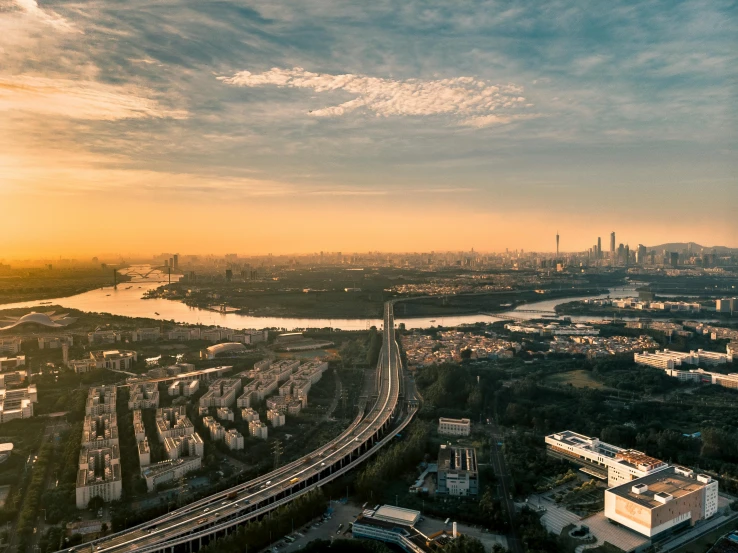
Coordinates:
674	259
599	247
557	244
612	244
641	254
175	261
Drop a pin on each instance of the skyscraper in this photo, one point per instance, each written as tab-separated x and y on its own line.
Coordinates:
557	244
599	247
175	259
612	244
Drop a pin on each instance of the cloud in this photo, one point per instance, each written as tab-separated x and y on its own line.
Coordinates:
50	18
79	99
470	99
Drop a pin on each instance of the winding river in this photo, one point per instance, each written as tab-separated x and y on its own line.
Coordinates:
127	301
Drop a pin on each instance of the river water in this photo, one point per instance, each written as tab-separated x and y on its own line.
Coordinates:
127	301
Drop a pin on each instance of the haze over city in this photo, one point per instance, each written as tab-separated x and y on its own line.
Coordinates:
295	127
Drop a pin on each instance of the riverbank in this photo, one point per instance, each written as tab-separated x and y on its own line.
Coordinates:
21	285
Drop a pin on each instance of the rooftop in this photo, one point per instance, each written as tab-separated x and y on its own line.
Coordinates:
660	487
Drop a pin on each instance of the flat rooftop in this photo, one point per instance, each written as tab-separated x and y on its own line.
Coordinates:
665	482
398	515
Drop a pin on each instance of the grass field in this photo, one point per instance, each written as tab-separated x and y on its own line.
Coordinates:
578	379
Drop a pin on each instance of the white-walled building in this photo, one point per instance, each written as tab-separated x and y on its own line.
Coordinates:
275	418
600	459
662	502
258	429
454	427
234	440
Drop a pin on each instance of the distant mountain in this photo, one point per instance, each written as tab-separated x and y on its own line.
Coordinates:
696	248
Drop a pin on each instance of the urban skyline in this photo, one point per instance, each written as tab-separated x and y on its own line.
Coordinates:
307	127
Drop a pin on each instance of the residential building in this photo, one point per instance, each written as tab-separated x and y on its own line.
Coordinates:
143	396
144	453
221	393
172	422
99	475
234	440
275	418
12	378
663	502
168	471
224	414
184	334
600	459
55	342
217	432
454	427
138	426
117	360
10	363
101	400
17	403
104	337
100	430
11	345
458	474
145	334
190	445
249	415
258	429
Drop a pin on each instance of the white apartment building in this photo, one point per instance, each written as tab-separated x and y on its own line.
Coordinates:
12	378
143	396
454	427
99	475
249	415
221	393
224	414
100	430
144	453
138	426
104	337
100	400
145	335
234	440
17	403
172	422
275	418
184	446
54	342
600	459
168	471
217	432
184	334
258	429
11	345
10	363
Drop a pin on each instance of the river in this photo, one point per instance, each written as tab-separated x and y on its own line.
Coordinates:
127	301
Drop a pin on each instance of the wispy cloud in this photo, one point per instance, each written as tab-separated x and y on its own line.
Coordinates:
50	18
79	99
473	101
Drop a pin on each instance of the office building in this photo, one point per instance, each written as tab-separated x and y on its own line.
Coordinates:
454	427
600	459
458	474
661	503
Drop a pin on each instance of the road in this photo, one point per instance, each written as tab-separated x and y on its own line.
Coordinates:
220	512
503	474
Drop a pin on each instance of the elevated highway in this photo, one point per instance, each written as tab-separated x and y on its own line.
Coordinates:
197	523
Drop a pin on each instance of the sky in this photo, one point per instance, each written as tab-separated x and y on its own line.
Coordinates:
287	127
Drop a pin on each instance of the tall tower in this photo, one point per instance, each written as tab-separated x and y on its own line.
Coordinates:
599	247
612	244
557	244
